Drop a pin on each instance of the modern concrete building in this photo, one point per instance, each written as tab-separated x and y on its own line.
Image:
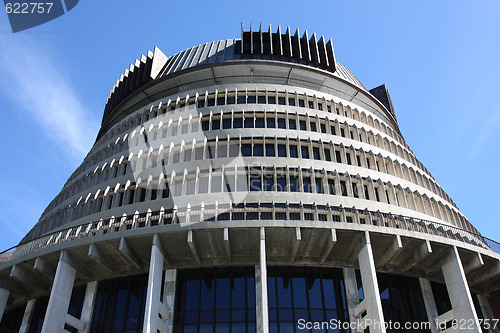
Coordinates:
249	185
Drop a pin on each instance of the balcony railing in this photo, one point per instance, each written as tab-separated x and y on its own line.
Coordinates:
249	212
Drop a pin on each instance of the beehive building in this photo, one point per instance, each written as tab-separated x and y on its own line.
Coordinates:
249	185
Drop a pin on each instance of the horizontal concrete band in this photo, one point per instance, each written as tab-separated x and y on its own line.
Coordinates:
229	243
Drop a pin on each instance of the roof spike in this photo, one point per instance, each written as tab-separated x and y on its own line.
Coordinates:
241	51
331	55
251	37
270	39
297	50
306	52
313	46
280	46
322	52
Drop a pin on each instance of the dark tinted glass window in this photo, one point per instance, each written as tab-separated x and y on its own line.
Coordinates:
258	149
11	320
270	150
271	122
305	151
259	122
246	149
238	122
282	150
312	294
293	151
120	305
281	123
215	300
249	121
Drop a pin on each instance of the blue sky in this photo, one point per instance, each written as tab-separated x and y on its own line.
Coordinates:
438	58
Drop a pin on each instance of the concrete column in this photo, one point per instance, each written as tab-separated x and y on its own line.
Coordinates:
488	316
430	304
4	297
458	290
152	322
28	313
373	304
352	296
261	288
88	305
169	297
57	309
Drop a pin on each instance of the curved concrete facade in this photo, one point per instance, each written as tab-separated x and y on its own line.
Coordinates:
259	151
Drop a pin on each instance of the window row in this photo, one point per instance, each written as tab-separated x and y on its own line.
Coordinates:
258	147
209	98
257	179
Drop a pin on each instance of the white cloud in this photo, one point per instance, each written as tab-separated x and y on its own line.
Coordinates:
30	76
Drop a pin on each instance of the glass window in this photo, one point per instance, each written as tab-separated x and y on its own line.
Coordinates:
226	123
249	121
242	98
268	182
298	293
292	124
262	99
251	99
313	126
221	100
259	122
211	101
306	184
323	128
246	149
291	101
255	182
294	183
270	122
316	155
12	320
238	122
258	149
328	157
281	123
305	151
281	182
205	125
282	150
302	124
319	185
270	150
293	151
120	305
271	99
281	100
